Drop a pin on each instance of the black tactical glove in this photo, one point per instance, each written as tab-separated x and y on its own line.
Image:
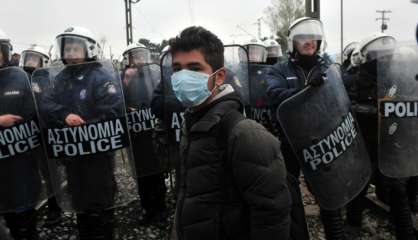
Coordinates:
316	81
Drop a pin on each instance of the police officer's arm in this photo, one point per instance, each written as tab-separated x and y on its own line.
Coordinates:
108	96
277	86
28	112
260	175
50	108
157	103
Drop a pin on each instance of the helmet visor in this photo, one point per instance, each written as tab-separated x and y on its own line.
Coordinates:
379	48
257	53
138	56
306	31
73	48
31	59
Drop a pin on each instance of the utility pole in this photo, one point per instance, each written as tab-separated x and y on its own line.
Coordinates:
110	52
384	25
259	27
128	16
342	30
313	8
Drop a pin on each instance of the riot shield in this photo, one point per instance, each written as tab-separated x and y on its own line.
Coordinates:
84	128
139	84
260	107
173	108
326	139
237	73
20	144
397	81
172	120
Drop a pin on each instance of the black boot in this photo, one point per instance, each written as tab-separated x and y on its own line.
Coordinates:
333	224
399	208
95	225
401	214
355	209
152	191
53	216
412	194
23	225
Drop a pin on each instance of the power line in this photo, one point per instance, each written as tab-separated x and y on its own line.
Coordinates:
30	44
258	23
242	29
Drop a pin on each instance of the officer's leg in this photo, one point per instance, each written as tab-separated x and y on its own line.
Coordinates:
333	224
22	225
412	193
92	184
54	211
290	160
95	224
152	191
355	209
399	206
298	226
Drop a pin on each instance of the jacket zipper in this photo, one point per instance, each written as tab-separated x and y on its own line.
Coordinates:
309	73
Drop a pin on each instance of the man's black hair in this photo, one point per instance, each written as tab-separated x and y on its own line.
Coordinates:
198	38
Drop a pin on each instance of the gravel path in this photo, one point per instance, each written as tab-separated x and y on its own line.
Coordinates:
128	223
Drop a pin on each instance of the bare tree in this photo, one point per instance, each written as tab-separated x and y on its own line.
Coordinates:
280	15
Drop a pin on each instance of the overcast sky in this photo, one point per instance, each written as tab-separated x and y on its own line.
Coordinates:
39	21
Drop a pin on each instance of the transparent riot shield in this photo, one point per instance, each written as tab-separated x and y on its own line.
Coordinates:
260	106
237	73
326	140
82	113
139	84
397	83
21	184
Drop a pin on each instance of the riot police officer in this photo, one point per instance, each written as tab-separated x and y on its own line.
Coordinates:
368	56
349	71
140	77
84	92
20	181
33	58
305	66
257	52
274	51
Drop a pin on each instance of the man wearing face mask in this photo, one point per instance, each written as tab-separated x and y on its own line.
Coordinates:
233	180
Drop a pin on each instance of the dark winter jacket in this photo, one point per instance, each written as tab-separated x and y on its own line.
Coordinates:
233	186
86	90
287	78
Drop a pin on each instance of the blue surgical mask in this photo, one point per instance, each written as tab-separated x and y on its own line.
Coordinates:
191	87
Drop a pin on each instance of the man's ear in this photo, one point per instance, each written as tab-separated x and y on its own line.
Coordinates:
220	77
